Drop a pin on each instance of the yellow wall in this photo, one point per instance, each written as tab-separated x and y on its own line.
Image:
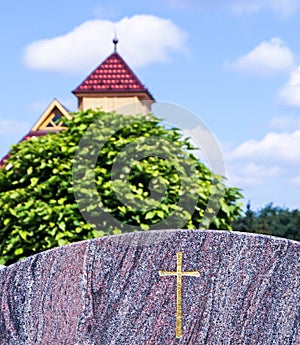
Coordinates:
124	105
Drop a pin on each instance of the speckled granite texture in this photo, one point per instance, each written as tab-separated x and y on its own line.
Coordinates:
108	291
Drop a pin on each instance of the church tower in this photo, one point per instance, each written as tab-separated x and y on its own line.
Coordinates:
112	86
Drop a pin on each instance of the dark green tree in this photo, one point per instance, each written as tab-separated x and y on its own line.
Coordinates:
271	220
245	223
127	172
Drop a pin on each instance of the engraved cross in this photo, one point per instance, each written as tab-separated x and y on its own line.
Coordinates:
179	274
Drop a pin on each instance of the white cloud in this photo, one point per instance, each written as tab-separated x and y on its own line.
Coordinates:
259	162
254	163
285	123
267	58
290	93
284	147
282	7
263	172
267	170
251	173
144	39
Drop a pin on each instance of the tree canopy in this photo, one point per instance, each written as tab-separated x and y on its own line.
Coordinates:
131	168
270	220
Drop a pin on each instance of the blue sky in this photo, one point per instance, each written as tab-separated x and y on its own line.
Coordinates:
234	63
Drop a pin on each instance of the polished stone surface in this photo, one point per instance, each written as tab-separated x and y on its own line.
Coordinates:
109	291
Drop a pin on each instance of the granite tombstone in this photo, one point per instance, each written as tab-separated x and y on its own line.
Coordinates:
157	287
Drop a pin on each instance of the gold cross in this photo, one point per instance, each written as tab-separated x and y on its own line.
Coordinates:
179	273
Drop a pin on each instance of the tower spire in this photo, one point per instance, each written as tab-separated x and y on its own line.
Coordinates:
115	42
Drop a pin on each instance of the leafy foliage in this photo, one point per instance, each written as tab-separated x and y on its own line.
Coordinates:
37	202
270	220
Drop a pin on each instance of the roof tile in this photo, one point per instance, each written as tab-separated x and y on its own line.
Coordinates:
112	75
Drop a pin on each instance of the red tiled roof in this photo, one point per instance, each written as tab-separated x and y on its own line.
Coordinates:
112	76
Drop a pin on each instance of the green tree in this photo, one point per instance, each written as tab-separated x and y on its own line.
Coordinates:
270	220
38	207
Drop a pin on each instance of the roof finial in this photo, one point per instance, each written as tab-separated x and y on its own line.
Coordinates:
115	42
